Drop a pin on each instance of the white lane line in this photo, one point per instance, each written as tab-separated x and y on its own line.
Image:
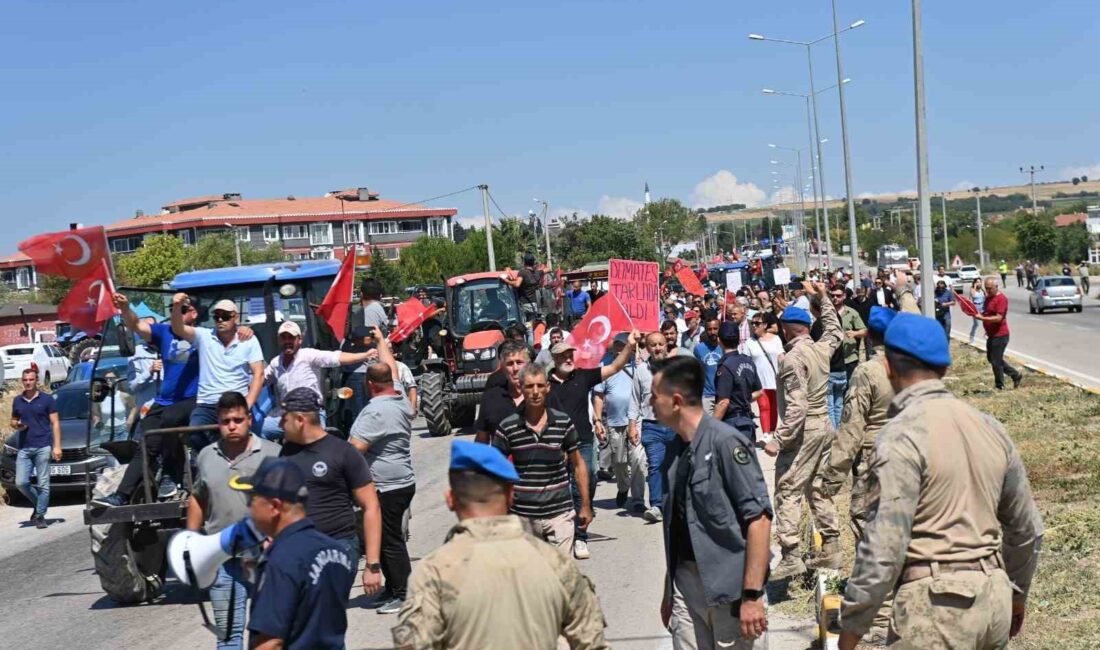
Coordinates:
1095	381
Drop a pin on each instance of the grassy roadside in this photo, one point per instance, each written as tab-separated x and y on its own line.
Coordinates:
1057	430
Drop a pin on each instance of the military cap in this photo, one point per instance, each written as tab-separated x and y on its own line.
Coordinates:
794	314
729	330
880	318
919	337
482	458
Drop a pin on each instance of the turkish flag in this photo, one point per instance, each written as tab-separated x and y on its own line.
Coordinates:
591	336
73	254
966	305
688	279
88	304
334	308
411	314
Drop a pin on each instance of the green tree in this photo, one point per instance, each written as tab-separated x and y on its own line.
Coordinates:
386	272
512	238
598	239
667	222
1073	243
218	250
53	288
158	260
1036	237
430	260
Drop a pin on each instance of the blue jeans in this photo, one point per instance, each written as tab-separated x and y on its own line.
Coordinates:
656	439
974	329
586	449
270	429
355	551
203	414
838	385
228	574
38	459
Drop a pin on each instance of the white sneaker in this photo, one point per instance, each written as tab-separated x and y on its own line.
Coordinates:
580	550
653	515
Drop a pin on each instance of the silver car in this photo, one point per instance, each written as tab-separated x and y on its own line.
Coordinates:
1054	292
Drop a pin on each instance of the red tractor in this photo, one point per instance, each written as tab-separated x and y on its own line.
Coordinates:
479	307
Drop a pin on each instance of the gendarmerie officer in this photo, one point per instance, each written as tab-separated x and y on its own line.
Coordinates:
305	576
492	585
955	527
717	523
736	384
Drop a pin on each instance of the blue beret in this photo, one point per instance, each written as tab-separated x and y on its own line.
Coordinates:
482	458
729	330
794	314
920	337
880	318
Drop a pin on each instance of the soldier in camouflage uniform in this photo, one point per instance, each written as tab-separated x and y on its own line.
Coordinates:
869	395
955	526
804	437
492	585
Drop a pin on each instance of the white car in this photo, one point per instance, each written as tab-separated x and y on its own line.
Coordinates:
969	273
52	363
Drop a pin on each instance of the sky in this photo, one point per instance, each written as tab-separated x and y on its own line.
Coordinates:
110	107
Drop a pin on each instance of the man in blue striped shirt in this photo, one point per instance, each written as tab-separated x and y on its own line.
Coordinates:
540	440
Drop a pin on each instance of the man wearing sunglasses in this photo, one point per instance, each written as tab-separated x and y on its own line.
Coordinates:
226	362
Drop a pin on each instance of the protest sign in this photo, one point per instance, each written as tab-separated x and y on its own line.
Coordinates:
733	280
782	276
637	287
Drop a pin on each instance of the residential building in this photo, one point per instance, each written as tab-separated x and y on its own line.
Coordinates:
304	227
27	324
1092	222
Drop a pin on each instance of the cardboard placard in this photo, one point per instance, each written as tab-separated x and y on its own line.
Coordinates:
781	276
637	286
733	281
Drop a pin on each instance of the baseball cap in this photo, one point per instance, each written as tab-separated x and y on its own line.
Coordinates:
302	400
290	327
691	313
622	337
479	457
561	348
225	305
277	478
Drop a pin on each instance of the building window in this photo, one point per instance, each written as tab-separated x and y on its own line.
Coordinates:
271	233
390	254
187	237
126	244
243	235
1094	255
295	232
437	227
410	225
353	232
383	227
23	278
320	234
321	254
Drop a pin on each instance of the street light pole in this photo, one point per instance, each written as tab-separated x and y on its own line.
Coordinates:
981	246
236	241
852	235
927	296
546	230
488	227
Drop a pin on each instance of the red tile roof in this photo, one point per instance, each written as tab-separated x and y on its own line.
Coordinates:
15	260
1064	220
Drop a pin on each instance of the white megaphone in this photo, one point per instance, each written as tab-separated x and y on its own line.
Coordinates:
192	554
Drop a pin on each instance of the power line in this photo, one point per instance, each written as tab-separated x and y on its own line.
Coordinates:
497	206
434	198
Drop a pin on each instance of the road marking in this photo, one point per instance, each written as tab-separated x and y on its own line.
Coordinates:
1095	381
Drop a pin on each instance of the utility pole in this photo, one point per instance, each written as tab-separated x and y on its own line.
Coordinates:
546	230
820	171
488	227
853	237
236	240
1034	202
946	254
981	246
927	297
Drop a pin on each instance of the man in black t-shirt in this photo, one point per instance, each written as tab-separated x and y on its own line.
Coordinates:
570	388
527	283
502	396
338	478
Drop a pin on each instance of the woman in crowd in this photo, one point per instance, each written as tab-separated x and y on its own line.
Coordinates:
766	349
977	296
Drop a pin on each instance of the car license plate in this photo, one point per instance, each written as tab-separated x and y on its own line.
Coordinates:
61	470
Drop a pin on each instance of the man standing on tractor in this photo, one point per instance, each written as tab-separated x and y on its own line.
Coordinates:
570	388
527	283
369	312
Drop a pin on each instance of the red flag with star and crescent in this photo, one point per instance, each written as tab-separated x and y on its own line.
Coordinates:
593	334
74	254
411	314
334	308
88	304
688	278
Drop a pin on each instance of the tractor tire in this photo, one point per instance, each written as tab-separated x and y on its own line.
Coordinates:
433	404
79	348
130	562
463	416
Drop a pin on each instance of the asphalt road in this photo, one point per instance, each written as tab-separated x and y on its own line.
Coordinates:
50	596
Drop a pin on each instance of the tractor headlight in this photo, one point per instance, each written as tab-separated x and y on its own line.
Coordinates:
469	356
488	353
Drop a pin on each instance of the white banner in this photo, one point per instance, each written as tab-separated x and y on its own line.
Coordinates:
781	276
733	280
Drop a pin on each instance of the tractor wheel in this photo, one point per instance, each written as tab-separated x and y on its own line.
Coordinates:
433	404
130	561
463	416
79	348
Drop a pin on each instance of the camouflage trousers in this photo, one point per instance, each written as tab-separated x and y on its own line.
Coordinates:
968	609
795	469
862	497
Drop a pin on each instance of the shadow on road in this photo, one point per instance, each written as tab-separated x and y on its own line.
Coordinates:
174	593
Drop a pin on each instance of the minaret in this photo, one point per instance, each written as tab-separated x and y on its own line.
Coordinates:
647	193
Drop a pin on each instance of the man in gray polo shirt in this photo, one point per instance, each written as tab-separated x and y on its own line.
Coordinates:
215	506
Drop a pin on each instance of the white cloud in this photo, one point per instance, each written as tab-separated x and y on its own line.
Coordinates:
618	207
1092	171
866	195
962	186
567	213
784	194
723	188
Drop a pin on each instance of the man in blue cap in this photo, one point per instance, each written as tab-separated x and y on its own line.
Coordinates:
803	438
956	529
736	385
492	585
305	576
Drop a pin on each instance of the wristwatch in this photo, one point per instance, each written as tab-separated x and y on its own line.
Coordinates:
752	594
376	567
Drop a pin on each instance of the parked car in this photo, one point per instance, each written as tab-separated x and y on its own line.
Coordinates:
968	273
52	363
957	283
83	370
110	424
1054	292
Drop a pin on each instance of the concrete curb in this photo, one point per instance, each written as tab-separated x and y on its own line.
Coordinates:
965	340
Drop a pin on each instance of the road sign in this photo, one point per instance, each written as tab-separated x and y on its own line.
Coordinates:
957	262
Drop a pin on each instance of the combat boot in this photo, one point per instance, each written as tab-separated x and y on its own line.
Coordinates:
828	556
790	565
